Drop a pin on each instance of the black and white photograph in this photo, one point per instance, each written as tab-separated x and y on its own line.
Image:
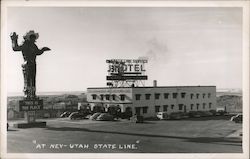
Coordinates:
138	80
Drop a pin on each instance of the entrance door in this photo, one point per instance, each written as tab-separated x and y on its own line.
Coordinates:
128	112
138	110
185	108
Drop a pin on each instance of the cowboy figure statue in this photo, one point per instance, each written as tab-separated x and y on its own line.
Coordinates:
30	51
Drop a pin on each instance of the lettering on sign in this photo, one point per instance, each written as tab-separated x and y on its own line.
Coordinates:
126	69
30	105
127	60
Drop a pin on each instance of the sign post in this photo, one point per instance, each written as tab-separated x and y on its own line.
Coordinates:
30	107
31	116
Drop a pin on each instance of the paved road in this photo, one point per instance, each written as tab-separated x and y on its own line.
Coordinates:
189	136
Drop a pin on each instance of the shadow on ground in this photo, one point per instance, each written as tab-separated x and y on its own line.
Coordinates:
12	130
197	119
209	118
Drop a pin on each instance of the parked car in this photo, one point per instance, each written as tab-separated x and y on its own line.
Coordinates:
105	117
65	114
175	115
162	115
184	115
237	118
126	115
115	111
88	116
213	112
220	112
77	115
85	111
227	114
204	113
194	114
208	113
94	116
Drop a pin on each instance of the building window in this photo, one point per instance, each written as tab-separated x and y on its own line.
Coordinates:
191	106
180	106
122	96
137	97
210	105
183	95
204	105
203	95
166	95
144	110
101	96
209	95
113	96
197	95
157	108
147	96
165	108
157	95
172	106
94	96
175	95
197	106
191	95
107	96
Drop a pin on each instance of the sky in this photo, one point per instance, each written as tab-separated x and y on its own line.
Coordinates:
184	46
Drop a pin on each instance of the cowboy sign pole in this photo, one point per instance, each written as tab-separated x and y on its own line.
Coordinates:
30	51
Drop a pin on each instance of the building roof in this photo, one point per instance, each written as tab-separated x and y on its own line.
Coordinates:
147	87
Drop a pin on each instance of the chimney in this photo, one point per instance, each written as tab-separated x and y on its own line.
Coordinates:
155	83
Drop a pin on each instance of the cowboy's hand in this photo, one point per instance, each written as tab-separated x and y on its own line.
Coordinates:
13	36
46	49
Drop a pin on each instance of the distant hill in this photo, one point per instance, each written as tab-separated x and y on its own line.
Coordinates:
70	99
222	92
15	94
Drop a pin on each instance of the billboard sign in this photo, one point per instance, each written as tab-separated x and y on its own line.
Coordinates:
126	69
30	105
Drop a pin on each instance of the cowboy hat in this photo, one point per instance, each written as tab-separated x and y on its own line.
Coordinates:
28	34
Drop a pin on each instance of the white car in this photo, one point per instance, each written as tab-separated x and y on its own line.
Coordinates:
162	115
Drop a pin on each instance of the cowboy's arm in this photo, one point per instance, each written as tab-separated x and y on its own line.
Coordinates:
41	51
15	45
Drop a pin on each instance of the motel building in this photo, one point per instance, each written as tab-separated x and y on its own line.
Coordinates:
147	101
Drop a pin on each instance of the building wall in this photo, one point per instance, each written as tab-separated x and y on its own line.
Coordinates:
116	92
136	98
183	99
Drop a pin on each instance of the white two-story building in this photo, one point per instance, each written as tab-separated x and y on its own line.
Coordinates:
147	101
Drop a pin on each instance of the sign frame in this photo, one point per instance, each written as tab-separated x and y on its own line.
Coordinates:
30	105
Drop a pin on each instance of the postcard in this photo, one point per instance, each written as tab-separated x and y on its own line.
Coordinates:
127	79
